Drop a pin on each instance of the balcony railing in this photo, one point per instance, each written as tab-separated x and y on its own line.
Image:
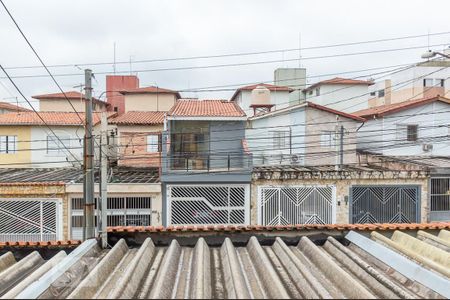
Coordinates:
207	162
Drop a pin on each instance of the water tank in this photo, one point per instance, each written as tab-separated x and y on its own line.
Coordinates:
260	96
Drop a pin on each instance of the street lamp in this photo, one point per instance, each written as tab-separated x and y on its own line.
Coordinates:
430	54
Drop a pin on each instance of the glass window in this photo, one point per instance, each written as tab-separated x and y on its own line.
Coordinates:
428	82
381	93
57	144
8	144
327	139
412	133
318	92
373	93
152	143
440	82
280	140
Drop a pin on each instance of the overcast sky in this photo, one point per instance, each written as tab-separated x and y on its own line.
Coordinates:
84	31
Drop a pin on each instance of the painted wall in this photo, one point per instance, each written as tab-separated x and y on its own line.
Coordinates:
380	135
226	143
343	97
115	83
318	122
260	134
149	102
22	157
133	146
64	106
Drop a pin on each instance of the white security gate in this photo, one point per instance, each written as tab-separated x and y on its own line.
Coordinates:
440	199
208	204
121	211
296	205
30	220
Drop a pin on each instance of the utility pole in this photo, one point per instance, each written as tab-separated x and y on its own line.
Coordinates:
103	182
88	159
341	150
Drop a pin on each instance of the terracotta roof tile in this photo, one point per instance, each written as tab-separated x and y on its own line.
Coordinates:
395	107
71	95
300	227
12	107
23	244
139	118
339	80
150	90
206	108
50	118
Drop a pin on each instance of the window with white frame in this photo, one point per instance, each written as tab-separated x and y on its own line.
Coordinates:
8	144
327	139
427	82
153	143
436	82
280	140
57	145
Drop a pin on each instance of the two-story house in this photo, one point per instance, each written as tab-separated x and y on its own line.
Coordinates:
6	107
68	102
28	140
206	169
343	94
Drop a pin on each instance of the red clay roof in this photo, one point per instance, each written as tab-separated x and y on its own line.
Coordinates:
337	112
395	107
339	80
139	118
70	243
50	118
301	227
206	108
150	90
271	87
12	107
71	95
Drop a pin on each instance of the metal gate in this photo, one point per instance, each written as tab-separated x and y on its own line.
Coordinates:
29	220
385	204
208	204
121	211
296	205
440	199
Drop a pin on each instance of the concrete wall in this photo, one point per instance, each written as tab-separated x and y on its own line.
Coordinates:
260	135
294	78
22	157
149	102
342	191
39	192
115	83
380	135
133	146
278	98
346	98
62	105
318	122
226	139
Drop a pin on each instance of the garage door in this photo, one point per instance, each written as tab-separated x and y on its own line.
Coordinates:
30	220
296	205
208	204
385	204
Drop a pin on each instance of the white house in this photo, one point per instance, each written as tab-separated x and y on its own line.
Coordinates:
347	95
303	134
410	128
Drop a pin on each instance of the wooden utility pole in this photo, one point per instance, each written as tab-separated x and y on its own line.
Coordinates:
88	159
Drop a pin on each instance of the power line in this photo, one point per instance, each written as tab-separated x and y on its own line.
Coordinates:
238	64
236	54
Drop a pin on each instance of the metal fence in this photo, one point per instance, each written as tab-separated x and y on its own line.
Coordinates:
296	205
121	211
208	204
29	220
440	199
385	204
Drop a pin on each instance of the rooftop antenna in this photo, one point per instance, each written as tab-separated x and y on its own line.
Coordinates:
428	37
131	59
299	49
114	65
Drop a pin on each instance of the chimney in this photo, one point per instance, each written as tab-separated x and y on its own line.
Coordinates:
116	83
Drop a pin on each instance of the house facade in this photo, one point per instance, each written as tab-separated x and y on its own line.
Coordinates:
71	101
6	107
412	128
343	94
206	171
56	140
306	134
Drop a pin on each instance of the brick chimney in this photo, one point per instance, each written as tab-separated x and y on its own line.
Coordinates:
115	83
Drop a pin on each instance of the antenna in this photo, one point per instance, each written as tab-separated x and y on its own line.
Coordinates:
299	49
114	65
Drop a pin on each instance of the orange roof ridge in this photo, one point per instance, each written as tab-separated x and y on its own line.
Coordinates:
340	80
